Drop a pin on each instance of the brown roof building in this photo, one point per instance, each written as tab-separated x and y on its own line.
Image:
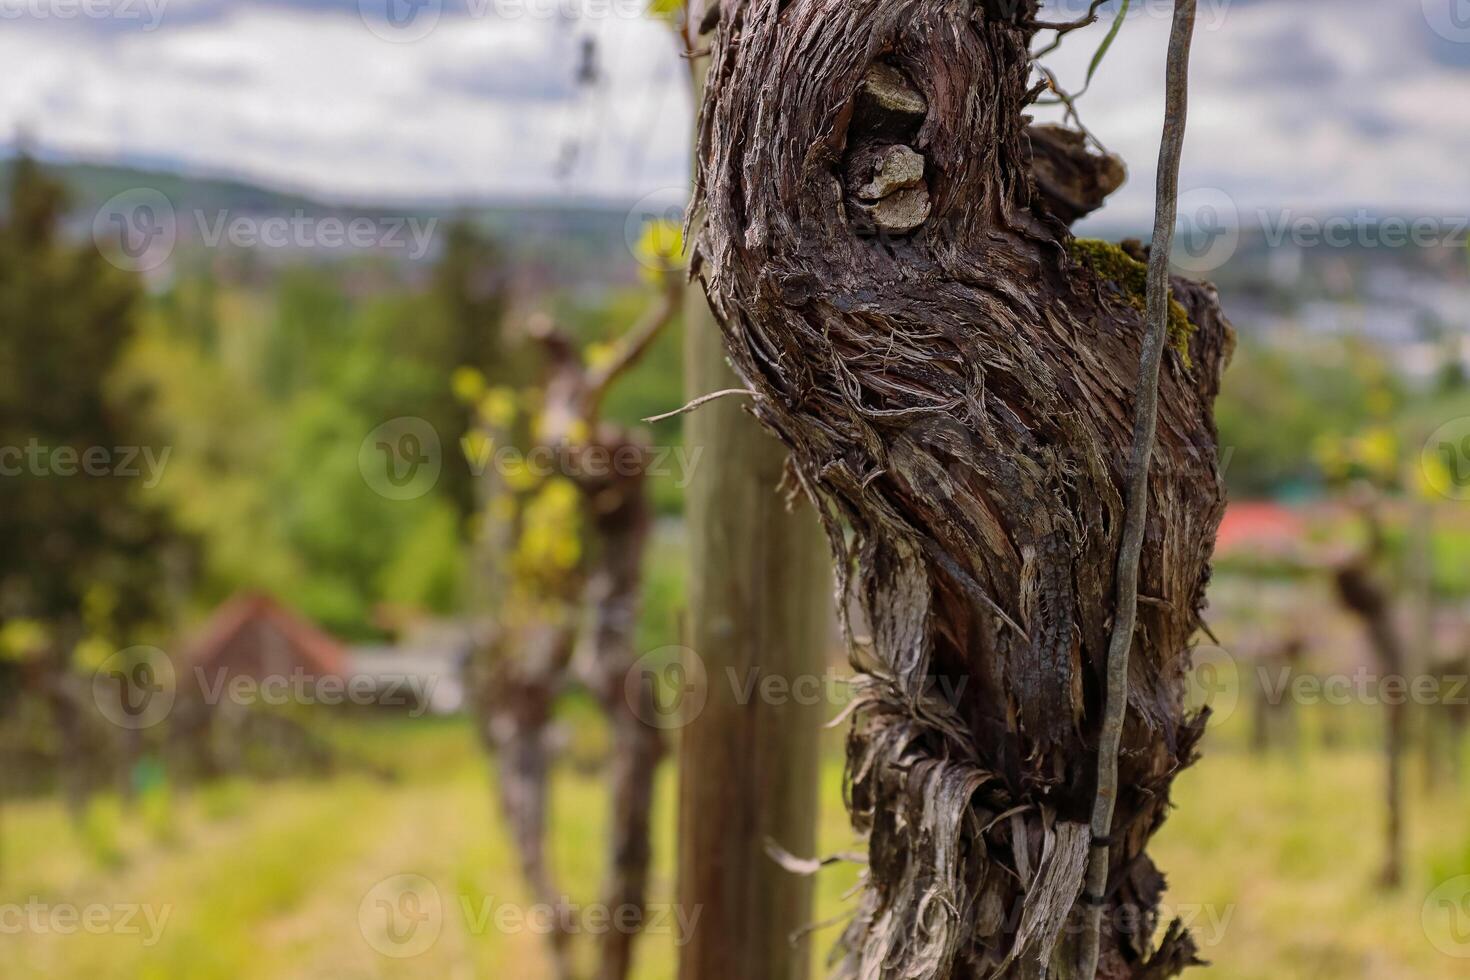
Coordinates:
254	635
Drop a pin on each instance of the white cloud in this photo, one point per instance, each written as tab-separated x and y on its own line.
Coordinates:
479	107
1309	104
1312	104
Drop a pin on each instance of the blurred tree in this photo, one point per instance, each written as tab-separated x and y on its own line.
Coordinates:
461	328
281	502
1363	591
87	541
1313	397
562	545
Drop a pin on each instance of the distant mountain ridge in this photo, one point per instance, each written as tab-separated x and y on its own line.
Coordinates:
587	244
570	241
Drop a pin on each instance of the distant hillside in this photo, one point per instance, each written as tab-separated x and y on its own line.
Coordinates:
556	243
1397	295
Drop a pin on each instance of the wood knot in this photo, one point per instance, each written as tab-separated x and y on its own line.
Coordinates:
875	172
888	104
883	173
791	289
1071	180
900	212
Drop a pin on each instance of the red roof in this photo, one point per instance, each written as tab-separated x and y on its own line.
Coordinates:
228	632
1259	524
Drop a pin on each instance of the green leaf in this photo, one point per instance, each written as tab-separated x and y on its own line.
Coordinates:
1107	42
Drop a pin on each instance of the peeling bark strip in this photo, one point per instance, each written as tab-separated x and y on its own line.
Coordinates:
959	392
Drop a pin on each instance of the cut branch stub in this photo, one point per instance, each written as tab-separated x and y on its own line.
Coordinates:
1072	180
888	103
885	175
957	393
878	171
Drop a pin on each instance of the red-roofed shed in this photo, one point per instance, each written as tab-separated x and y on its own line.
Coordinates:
254	635
1260	527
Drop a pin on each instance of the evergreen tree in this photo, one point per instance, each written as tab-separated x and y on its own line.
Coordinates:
83	567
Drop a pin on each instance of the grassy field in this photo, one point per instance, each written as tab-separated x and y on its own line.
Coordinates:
1273	862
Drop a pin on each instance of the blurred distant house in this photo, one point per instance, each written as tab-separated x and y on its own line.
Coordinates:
1261	530
255	636
425	668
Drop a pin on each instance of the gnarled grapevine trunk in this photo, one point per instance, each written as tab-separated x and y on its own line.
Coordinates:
885	243
620	516
593	605
1362	593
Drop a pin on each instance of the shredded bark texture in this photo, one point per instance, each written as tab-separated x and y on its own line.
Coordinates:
890	265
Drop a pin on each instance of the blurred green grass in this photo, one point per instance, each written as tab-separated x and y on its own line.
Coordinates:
1272	859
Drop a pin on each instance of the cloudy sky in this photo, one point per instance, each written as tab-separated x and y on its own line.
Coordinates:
1314	104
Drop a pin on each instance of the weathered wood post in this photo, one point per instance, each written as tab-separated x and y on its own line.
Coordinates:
760	594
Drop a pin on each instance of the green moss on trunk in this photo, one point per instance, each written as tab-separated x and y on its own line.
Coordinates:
1111	264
